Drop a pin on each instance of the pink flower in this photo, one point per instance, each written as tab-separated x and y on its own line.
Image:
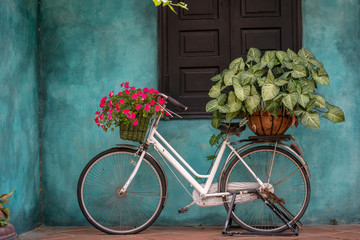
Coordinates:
136	122
103	102
117	107
126	85
138	106
119	93
127	91
144	96
145	89
111	93
151	90
131	115
162	101
132	88
139	93
109	116
134	96
122	101
101	116
126	111
152	102
157	108
147	107
110	110
110	103
156	92
96	119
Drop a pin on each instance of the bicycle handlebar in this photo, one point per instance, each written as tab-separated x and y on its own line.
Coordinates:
174	101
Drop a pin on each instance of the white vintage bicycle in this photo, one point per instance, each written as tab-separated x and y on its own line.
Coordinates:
123	190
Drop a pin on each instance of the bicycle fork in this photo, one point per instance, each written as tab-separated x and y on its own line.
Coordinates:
122	191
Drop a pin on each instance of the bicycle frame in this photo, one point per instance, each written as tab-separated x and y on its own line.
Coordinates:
204	191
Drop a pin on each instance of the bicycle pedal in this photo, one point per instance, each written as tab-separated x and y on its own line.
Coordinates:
183	210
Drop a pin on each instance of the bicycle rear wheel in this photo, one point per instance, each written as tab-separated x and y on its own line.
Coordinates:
99	192
284	176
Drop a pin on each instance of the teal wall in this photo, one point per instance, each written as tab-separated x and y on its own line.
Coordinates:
88	47
19	136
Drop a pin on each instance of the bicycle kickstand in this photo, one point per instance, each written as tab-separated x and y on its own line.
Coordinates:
278	212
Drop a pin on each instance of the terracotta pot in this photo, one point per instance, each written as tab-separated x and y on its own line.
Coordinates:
8	232
262	123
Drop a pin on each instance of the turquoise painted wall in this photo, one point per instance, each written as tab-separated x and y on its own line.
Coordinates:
89	47
19	137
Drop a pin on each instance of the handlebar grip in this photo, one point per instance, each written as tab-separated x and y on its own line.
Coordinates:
176	103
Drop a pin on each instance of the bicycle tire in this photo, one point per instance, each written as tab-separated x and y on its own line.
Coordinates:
102	204
288	180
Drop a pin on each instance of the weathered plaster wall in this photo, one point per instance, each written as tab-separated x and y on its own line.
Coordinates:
89	47
19	137
332	31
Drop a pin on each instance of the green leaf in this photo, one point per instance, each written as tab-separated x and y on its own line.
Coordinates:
322	79
254	54
224	109
291	87
228	78
216	78
216	121
310	119
238	61
6	213
242	92
303	100
212	156
212	105
247	77
298	71
290	100
252	102
293	57
308	86
221	99
271	105
215	90
3	223
320	101
270	77
281	82
269	91
268	59
335	114
231	115
306	54
282	56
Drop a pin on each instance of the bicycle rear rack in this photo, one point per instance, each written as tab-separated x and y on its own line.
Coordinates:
283	217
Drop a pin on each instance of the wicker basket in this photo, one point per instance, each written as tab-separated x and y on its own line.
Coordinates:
134	133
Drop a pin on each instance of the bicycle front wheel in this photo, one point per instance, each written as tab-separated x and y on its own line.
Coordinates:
113	212
283	175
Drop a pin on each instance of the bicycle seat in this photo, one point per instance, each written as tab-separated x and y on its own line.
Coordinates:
232	129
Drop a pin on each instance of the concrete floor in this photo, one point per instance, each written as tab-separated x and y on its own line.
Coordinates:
329	232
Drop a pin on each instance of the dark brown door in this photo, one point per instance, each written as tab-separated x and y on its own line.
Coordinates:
197	44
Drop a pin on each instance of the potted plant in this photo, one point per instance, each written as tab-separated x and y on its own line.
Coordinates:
130	110
7	230
278	87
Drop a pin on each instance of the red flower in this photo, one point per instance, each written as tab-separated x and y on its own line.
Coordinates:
132	88
110	103
103	102
111	93
138	106
126	111
109	116
101	116
136	122
152	102
110	110
157	108
126	85
145	89
127	91
122	101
